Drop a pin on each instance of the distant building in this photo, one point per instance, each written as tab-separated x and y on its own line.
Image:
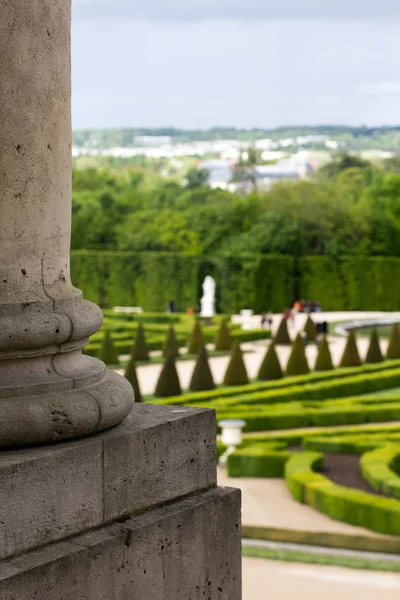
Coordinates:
221	173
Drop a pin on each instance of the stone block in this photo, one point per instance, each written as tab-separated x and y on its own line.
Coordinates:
189	550
51	492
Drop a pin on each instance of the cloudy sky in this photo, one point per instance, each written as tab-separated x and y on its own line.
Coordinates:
245	63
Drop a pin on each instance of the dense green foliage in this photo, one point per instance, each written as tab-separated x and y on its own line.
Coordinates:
145	241
202	378
270	368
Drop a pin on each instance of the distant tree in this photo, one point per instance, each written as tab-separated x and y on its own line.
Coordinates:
340	162
196	178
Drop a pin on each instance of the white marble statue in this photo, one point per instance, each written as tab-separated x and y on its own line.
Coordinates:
208	300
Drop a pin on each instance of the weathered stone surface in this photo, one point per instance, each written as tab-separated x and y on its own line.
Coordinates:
50	492
187	550
159	461
44	322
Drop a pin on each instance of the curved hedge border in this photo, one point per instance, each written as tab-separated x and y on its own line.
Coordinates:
381	515
350	444
258	460
381	467
291	417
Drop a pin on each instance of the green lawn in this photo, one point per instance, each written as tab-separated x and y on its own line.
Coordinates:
314	558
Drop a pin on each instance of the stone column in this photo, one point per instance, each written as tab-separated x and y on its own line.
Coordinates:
49	391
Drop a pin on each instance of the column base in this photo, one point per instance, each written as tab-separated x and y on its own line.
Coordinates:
65	414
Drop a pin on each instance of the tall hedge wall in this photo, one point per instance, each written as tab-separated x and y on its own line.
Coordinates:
351	282
152	279
259	282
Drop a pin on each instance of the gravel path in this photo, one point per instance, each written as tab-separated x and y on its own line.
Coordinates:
274	580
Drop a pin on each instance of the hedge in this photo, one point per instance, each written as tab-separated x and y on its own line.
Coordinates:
123	341
381	515
297	437
258	460
255	281
152	279
296	416
381	467
322	390
281	384
350	282
349	444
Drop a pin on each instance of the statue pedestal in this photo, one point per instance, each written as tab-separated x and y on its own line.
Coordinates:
133	511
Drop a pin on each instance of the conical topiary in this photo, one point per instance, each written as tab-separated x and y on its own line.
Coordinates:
108	352
196	340
393	350
223	339
351	356
270	367
374	354
310	330
168	381
202	378
171	345
139	349
282	335
324	358
236	373
297	363
131	376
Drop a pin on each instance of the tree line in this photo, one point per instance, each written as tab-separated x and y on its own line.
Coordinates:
350	207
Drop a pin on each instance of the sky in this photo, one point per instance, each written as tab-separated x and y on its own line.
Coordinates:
242	63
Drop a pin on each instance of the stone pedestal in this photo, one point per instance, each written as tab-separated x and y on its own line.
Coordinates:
130	513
